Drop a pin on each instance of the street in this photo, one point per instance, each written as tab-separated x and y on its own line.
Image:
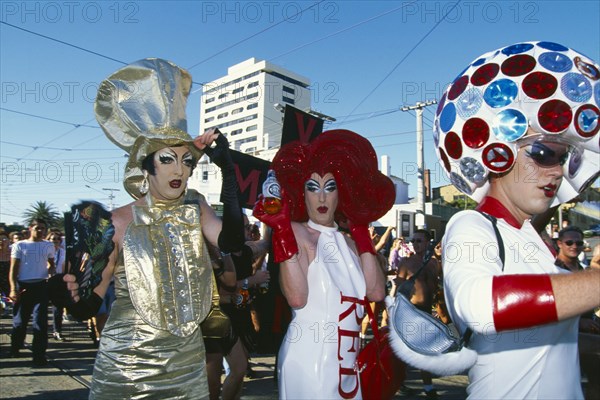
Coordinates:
68	373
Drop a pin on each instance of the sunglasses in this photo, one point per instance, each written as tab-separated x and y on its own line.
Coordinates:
417	241
545	156
579	243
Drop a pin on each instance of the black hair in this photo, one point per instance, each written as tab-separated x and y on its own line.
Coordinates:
424	232
570	228
148	164
37	221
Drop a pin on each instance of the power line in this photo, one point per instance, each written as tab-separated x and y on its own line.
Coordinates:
50	148
340	31
404	58
49	119
254	35
74	46
368	116
63	42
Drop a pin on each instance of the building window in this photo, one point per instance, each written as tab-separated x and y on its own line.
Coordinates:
204	176
234	91
209	119
237	110
222	115
252	84
230	102
236	132
251	106
288	89
209	100
287	99
223	95
252	128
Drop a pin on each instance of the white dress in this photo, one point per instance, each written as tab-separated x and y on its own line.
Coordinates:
318	354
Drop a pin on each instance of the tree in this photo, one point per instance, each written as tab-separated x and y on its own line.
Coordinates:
464	202
45	211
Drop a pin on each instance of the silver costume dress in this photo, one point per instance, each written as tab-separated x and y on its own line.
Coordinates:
151	346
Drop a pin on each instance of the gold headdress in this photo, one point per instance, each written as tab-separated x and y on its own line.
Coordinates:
141	108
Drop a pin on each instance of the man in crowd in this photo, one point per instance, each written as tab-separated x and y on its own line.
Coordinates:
31	261
424	288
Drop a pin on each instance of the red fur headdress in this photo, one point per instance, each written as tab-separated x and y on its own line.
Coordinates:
365	194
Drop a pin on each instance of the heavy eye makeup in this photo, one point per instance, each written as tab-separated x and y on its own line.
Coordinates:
167	157
188	160
313	186
330	186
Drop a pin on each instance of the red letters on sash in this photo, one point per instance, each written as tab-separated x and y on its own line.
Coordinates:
353	335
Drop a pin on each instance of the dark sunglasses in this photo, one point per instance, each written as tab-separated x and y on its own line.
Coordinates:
416	241
579	243
544	156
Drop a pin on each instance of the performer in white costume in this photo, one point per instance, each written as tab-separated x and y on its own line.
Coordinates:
518	133
326	274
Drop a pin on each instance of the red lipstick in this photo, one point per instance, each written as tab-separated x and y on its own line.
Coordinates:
322	209
175	184
549	190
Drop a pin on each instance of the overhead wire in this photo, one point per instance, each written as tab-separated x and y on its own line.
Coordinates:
405	57
254	35
63	42
49	119
341	31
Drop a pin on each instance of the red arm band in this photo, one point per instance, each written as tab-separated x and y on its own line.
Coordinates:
522	301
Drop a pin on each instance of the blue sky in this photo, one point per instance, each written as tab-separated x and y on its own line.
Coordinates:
365	61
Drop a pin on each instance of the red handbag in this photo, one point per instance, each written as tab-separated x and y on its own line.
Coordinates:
381	372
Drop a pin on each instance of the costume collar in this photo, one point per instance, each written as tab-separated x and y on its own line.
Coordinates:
493	207
155	212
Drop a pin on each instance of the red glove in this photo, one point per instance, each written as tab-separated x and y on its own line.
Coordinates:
283	239
362	238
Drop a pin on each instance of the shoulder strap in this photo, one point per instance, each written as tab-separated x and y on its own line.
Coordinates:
407	286
501	253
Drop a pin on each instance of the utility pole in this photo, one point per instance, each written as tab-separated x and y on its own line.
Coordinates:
111	197
418	108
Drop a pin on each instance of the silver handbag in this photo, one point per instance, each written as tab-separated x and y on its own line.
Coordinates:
420	331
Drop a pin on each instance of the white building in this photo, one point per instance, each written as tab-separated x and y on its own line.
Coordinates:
241	104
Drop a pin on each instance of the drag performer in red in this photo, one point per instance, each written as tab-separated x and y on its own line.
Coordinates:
517	131
325	274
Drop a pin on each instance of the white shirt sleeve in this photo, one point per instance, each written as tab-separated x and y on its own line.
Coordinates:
470	261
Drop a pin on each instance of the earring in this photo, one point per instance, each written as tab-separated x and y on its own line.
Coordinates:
145	185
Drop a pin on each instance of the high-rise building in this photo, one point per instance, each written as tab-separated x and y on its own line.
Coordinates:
242	105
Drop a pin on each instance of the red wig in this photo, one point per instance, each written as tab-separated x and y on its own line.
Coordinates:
365	194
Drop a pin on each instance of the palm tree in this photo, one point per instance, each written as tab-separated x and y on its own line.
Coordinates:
45	211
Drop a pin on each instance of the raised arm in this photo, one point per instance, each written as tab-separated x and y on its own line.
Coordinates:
231	231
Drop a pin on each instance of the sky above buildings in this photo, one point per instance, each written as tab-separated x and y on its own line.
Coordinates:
365	60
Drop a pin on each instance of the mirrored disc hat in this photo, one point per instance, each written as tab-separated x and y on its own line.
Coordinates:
545	86
141	108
